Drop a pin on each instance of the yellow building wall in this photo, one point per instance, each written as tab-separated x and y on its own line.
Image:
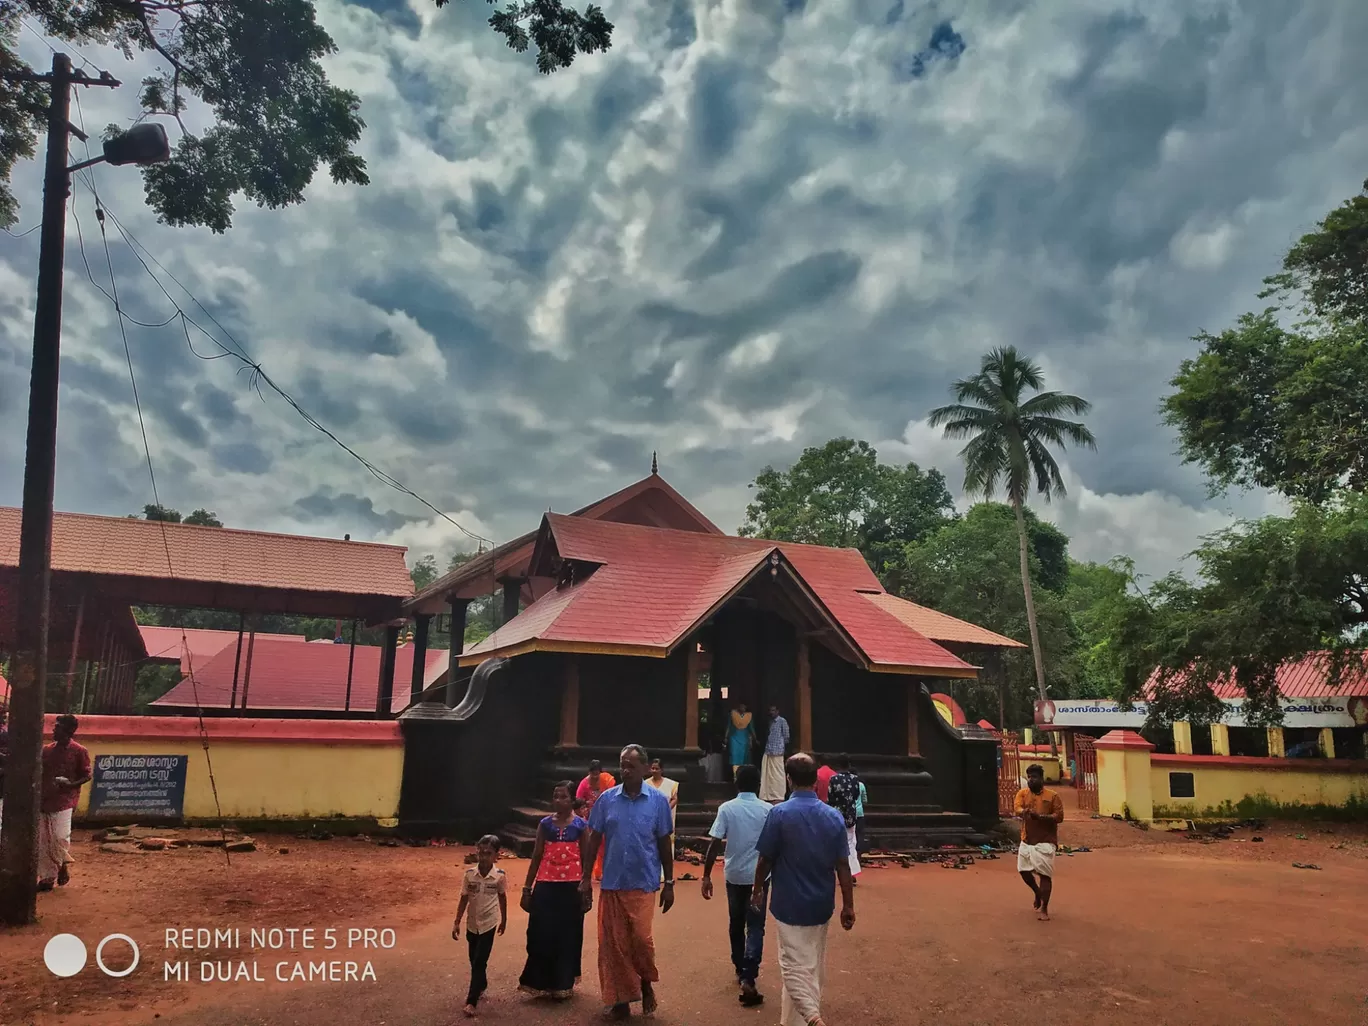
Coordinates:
1218	786
1123	783
264	780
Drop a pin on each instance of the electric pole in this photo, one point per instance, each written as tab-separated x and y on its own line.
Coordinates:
28	683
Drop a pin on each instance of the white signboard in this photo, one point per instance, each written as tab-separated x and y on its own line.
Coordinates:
1342	711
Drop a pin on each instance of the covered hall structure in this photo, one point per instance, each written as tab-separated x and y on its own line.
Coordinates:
610	616
102	566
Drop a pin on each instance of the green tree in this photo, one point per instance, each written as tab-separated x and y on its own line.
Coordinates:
1262	406
256	66
1268	592
1330	265
970	568
1100	597
1010	437
840	495
424	572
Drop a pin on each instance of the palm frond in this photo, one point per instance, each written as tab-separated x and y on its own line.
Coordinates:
1051	404
1062	433
1049	482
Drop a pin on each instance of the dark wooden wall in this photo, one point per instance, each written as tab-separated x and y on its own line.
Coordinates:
854	710
462	777
632	699
755	657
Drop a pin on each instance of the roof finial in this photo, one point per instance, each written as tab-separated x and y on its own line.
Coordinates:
655	466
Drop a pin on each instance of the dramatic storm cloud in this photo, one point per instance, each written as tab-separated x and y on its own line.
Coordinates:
746	229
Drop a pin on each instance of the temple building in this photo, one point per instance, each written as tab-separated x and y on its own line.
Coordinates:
627	621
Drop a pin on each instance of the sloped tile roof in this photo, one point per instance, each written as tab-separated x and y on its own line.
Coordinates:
652	585
128	547
938	626
1302	678
171	643
288	675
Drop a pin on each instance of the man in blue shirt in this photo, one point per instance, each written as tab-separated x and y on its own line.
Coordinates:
772	765
739	822
803	852
633	825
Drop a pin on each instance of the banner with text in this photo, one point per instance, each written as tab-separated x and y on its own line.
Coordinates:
1341	711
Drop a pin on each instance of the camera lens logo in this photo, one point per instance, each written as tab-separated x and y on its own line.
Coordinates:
65	955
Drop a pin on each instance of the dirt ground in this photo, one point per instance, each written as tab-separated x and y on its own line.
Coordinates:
1149	928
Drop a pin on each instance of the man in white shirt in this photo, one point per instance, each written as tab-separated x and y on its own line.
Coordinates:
739	823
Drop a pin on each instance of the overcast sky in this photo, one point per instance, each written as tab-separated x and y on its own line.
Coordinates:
735	235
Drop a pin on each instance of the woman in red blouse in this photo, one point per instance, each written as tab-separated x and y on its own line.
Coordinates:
551	899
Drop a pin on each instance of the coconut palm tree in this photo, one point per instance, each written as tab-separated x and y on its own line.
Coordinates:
1009	445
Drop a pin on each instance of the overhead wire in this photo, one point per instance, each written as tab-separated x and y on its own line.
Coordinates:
259	375
113	295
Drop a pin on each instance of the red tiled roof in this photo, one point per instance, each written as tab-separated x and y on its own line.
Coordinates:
1302	678
653	585
287	675
4	691
195	646
128	547
650	498
938	626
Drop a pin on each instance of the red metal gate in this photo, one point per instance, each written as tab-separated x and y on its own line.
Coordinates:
1009	771
1086	779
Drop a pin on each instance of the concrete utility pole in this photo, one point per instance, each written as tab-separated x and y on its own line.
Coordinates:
144	144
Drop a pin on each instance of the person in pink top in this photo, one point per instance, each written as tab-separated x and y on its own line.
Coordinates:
552	901
588	793
66	768
824	775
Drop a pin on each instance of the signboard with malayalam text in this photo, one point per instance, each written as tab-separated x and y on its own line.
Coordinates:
147	787
1335	711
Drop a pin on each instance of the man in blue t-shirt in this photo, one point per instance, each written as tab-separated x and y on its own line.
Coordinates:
633	825
803	852
739	823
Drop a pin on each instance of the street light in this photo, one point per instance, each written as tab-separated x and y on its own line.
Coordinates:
142	144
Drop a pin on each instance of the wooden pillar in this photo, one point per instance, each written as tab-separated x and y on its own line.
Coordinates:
237	661
420	646
102	681
913	716
351	666
247	670
570	703
691	695
512	590
803	699
75	649
384	693
458	627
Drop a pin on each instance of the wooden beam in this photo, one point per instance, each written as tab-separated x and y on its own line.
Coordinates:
420	645
237	660
570	703
803	703
351	667
913	717
247	670
71	660
384	693
512	592
458	628
691	695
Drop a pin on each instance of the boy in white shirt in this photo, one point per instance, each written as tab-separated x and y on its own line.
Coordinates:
485	895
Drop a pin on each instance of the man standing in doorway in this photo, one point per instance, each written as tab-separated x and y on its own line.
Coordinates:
803	852
739	823
66	767
1040	811
632	824
772	766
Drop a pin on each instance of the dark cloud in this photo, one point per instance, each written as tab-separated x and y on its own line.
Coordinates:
724	245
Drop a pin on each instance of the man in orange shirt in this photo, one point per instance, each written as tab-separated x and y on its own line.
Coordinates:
1040	812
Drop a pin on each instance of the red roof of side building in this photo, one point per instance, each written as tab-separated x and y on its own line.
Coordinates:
195	646
652	587
129	547
1304	678
290	676
4	691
